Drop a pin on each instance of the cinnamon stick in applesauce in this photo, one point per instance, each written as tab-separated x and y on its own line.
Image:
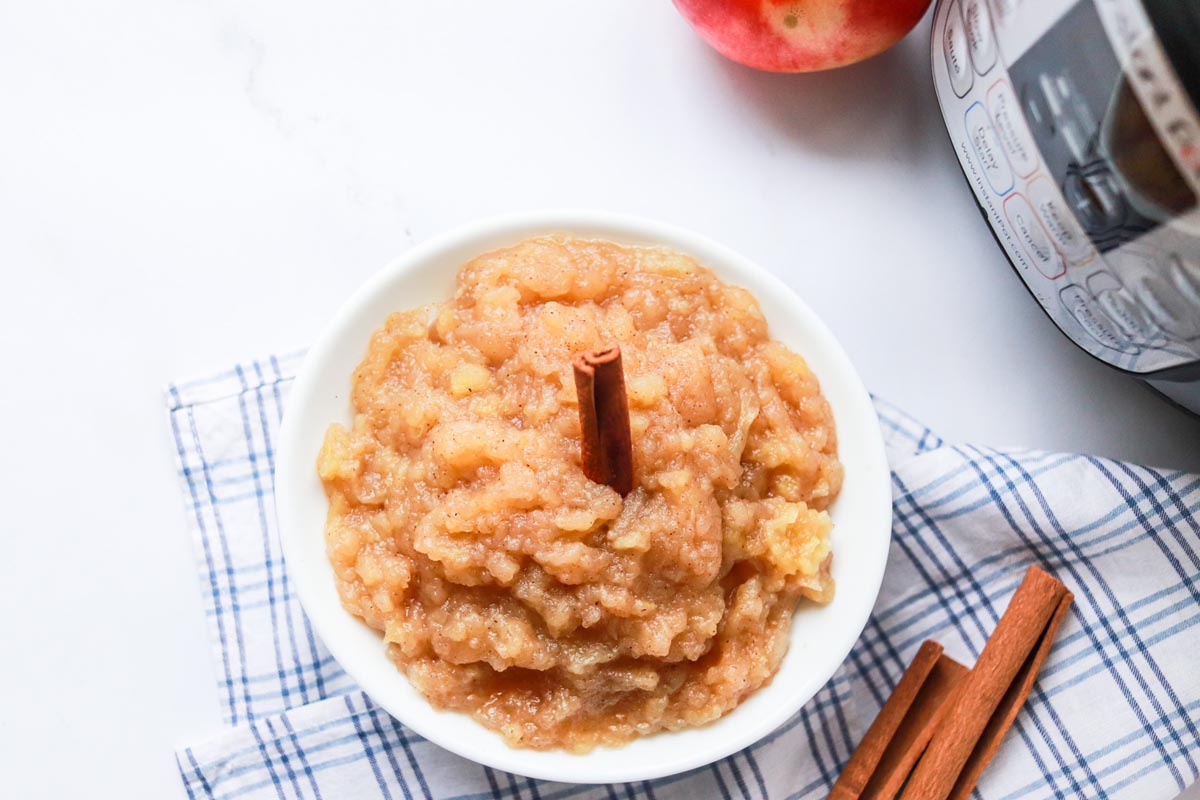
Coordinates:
988	699
607	447
886	755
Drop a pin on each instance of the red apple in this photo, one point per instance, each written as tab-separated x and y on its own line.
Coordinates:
801	35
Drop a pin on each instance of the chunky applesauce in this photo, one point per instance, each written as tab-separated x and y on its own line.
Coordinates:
509	586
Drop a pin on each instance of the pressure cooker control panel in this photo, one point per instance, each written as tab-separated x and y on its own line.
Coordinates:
1092	197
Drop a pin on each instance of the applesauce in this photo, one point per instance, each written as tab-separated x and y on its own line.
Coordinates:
509	586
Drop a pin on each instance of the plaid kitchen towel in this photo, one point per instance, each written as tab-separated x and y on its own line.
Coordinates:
1115	712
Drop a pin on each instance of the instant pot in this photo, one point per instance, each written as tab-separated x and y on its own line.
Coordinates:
1076	127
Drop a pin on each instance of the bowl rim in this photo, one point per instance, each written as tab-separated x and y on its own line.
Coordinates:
332	624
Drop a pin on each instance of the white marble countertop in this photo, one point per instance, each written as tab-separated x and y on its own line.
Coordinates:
183	184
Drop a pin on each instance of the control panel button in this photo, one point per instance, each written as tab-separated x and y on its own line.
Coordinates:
1093	321
988	153
1111	296
1059	221
1170	310
980	37
955	48
1123	311
1033	237
1009	122
1186	277
1102	281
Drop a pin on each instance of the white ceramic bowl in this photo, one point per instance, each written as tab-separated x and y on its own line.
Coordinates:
821	636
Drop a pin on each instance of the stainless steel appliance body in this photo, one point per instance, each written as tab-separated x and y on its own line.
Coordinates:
1076	125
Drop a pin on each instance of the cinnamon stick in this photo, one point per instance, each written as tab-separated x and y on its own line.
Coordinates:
1009	659
1002	719
885	756
607	447
916	730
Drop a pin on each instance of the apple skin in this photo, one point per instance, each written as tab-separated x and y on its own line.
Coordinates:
801	35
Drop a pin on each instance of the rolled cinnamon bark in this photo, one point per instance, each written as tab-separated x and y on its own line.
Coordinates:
1002	719
900	732
606	444
987	700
